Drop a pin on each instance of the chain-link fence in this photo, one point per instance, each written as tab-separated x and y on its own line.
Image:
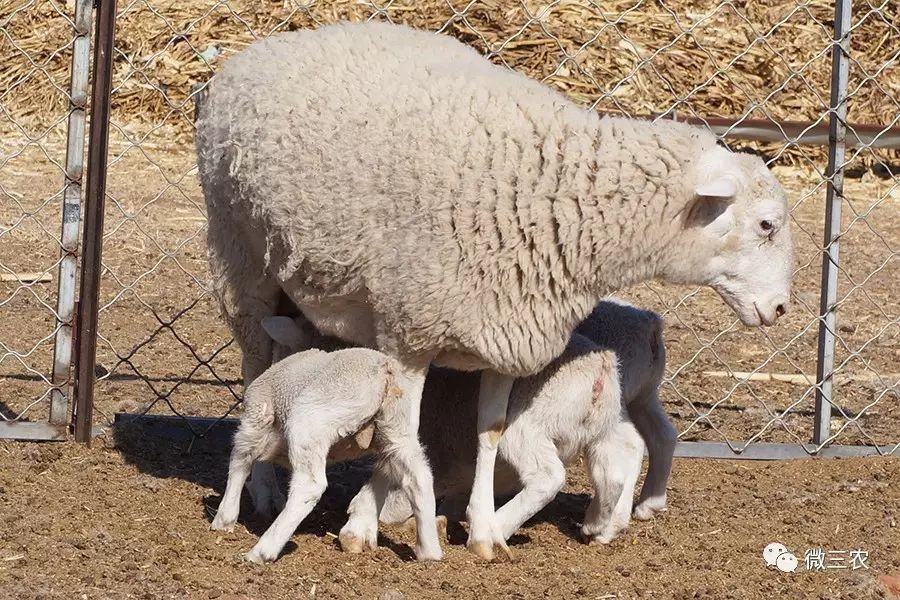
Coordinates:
760	70
43	87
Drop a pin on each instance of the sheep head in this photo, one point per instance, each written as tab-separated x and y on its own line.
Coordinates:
734	235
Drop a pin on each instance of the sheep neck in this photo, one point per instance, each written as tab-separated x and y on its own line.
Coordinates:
615	208
597	205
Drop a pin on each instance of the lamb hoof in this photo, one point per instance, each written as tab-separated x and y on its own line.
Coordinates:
353	544
259	557
649	508
221	525
426	555
485	550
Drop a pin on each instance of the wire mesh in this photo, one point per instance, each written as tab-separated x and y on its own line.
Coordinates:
164	350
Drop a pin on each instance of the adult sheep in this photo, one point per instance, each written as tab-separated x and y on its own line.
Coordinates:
408	195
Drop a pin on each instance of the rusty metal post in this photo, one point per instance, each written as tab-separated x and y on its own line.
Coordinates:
91	266
71	214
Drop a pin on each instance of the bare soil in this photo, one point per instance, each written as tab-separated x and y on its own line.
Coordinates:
128	518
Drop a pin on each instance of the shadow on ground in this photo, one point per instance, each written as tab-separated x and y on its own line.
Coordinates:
167	449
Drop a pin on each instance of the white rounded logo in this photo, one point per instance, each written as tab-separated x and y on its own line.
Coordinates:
772	552
786	562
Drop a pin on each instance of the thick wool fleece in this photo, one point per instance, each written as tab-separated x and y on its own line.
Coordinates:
471	211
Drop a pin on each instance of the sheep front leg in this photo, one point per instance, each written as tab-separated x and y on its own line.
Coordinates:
484	532
403	463
542	475
660	436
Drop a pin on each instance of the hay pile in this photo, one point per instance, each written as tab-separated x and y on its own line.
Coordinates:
766	58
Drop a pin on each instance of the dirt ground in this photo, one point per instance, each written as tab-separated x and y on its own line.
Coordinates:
129	518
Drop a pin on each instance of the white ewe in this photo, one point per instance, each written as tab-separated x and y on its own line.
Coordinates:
411	196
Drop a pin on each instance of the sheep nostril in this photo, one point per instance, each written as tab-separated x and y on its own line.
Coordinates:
780	310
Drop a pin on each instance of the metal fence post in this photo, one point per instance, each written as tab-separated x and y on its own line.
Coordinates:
89	296
71	213
833	200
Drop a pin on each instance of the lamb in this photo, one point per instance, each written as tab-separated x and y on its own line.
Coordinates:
572	407
410	196
304	408
636	336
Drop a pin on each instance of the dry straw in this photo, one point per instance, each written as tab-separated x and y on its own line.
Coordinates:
765	58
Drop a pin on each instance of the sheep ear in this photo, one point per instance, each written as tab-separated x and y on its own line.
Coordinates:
284	331
723	187
706	208
718	172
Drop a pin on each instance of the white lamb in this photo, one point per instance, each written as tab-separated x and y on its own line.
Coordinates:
572	408
409	195
305	408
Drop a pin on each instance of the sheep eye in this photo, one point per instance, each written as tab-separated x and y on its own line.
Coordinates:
766	225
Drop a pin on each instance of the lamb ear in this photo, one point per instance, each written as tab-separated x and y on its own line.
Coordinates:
284	331
723	187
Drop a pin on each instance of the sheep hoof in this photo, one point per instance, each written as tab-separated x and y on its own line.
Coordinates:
433	555
484	550
506	551
649	508
258	557
221	525
351	543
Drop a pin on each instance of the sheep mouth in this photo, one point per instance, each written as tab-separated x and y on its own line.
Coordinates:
749	317
767	321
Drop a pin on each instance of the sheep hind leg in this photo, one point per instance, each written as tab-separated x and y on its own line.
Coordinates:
484	530
542	474
660	437
403	464
245	319
307	450
250	443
